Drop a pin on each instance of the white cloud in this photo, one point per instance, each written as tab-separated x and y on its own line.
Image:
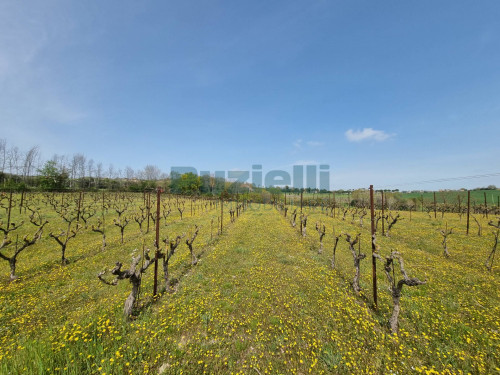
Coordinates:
315	143
367	134
306	162
298	144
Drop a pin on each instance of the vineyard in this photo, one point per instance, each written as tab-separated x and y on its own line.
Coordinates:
245	287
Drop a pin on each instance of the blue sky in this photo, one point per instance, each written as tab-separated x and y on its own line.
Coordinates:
386	93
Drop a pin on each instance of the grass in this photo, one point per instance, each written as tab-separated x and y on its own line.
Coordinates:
261	300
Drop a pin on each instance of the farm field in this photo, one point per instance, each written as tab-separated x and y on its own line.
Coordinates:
451	197
261	299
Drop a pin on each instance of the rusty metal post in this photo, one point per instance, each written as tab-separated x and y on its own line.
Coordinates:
22	200
10	208
468	210
374	260
221	213
148	208
301	195
435	214
485	205
79	207
383	228
157	240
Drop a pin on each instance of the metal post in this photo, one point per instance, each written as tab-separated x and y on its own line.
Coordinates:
435	215
148	205
22	199
10	208
468	210
221	212
485	205
374	260
157	243
301	193
79	207
383	229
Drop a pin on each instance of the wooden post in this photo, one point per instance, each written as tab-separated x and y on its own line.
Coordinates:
301	193
22	200
334	204
468	210
435	214
221	213
374	260
103	223
157	241
10	208
485	205
148	208
383	229
79	207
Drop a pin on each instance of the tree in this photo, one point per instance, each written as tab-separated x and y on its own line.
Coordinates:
151	172
3	154
51	177
190	183
134	274
29	161
26	242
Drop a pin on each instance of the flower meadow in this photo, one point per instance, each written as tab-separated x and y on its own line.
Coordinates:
260	300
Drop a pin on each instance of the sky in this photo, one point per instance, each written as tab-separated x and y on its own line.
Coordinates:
391	93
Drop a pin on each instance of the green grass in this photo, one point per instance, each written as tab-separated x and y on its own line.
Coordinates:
261	300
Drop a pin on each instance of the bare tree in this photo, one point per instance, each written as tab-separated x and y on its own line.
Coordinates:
99	172
139	218
13	160
151	172
166	212
294	218
391	224
29	161
189	243
90	170
134	274
479	227
122	222
87	213
129	173
321	232
445	233
100	229
111	171
357	257
491	257
303	220
335	243
396	288
361	216
170	247
3	154
26	242
64	237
